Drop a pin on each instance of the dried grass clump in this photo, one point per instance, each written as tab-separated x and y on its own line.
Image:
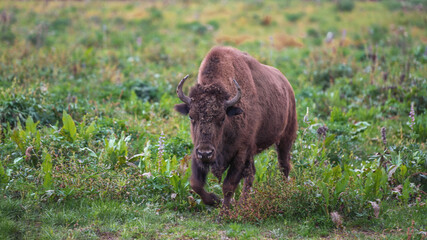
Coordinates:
276	198
283	40
336	219
237	40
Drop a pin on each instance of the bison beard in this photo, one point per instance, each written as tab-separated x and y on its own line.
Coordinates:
238	108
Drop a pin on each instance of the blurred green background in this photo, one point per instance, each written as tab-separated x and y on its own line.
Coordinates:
88	130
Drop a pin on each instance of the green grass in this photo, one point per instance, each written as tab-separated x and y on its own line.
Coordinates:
97	219
90	147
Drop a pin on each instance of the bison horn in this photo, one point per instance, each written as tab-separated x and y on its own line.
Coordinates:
236	98
181	95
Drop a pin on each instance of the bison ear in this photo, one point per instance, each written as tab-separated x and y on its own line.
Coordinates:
233	111
182	108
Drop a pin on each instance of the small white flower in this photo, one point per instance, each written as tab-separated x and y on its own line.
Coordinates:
337	219
147	175
306	119
329	37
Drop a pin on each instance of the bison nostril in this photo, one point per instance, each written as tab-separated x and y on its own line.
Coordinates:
204	154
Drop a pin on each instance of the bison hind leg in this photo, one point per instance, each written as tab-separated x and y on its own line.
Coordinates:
284	151
284	158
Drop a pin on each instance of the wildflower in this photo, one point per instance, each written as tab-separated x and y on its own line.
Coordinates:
383	136
329	37
161	148
385	76
5	17
412	116
306	120
344	34
402	78
321	131
139	41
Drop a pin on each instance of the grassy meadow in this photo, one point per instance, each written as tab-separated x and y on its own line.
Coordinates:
91	148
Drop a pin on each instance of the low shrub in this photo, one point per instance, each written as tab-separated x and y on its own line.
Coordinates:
275	198
345	5
294	17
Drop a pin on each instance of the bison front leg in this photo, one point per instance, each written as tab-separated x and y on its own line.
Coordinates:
242	167
197	183
249	175
231	182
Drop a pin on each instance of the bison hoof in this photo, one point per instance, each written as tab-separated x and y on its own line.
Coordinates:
212	200
216	200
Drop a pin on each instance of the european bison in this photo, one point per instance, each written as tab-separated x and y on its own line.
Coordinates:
238	108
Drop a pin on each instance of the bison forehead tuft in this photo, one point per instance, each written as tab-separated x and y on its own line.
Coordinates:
208	101
209	90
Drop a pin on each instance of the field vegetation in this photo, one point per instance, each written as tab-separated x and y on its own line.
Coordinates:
90	147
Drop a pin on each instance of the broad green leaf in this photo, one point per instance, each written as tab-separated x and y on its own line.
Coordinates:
18	160
368	189
30	126
360	127
329	139
336	172
117	151
327	175
403	170
69	126
91	152
174	162
90	129
37	144
337	115
405	191
145	161
16	137
340	185
47	170
325	193
3	177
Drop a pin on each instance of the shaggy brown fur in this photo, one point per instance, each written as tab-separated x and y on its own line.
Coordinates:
265	115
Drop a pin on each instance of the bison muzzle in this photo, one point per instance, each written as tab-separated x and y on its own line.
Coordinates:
238	108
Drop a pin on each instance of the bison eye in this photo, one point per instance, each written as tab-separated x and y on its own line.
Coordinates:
222	121
191	119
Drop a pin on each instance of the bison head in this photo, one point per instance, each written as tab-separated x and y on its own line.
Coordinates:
209	108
